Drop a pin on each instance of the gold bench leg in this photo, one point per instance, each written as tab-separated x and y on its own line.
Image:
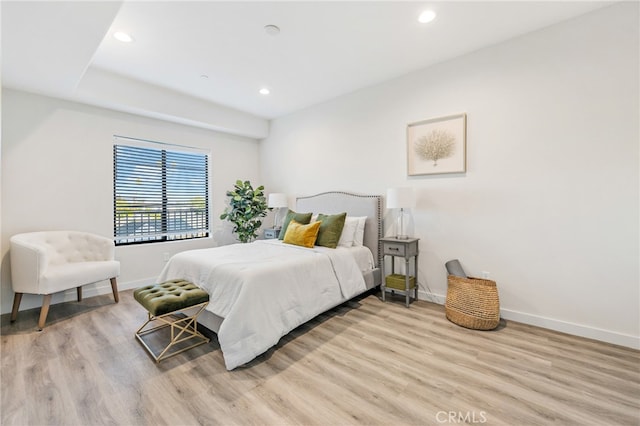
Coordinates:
187	326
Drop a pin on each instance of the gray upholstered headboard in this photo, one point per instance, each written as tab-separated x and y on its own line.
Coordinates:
354	205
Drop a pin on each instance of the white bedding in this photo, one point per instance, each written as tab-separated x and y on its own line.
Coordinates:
267	288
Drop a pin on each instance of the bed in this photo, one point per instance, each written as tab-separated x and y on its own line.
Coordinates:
261	291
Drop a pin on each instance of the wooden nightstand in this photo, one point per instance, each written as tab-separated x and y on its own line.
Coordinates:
271	233
403	284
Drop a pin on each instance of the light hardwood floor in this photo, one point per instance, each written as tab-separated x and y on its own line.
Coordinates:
365	362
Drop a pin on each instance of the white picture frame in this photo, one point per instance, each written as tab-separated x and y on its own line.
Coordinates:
437	145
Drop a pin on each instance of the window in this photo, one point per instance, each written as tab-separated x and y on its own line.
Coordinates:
160	193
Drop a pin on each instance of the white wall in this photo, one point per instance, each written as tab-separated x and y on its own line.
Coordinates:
549	202
57	173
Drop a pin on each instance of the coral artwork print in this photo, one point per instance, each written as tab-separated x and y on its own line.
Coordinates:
436	145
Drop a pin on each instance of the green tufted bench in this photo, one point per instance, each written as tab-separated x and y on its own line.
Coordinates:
169	303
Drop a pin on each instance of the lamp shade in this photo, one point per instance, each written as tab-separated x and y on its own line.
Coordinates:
398	198
277	200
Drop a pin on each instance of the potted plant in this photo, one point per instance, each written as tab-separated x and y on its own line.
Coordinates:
246	207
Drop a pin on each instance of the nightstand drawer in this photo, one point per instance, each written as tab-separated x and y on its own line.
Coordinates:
394	249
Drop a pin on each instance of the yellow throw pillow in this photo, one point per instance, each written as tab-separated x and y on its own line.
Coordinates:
303	218
302	235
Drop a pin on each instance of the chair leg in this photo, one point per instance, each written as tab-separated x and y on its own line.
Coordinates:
17	298
114	288
79	290
44	311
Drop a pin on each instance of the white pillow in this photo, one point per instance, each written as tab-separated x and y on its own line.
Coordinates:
358	239
348	232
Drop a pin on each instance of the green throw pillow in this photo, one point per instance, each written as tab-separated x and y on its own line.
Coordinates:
330	229
302	218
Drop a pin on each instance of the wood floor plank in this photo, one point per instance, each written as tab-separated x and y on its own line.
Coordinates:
364	362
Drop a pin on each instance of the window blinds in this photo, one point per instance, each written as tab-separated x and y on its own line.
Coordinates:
159	194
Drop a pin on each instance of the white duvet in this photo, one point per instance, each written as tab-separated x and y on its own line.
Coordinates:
265	289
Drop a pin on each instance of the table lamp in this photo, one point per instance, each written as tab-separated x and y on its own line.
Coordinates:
277	201
401	198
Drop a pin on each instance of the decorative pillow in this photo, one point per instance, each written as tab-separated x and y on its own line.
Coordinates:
330	229
358	239
303	218
348	232
301	235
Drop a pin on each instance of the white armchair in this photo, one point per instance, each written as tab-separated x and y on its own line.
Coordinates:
52	261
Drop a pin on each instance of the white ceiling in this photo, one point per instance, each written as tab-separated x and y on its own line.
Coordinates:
325	48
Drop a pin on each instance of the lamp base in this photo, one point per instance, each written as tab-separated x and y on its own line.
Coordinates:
402	237
275	218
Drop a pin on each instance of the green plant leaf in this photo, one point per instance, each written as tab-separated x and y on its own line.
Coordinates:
246	206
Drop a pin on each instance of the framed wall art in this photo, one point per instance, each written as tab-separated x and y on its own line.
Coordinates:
437	145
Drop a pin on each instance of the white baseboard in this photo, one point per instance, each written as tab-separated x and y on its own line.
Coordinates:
553	324
431	297
138	283
91	291
32	301
572	328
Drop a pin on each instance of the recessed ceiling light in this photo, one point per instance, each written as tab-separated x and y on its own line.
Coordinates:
204	76
123	37
272	30
264	91
427	16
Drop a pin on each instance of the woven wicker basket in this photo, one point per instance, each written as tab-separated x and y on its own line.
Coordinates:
472	303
